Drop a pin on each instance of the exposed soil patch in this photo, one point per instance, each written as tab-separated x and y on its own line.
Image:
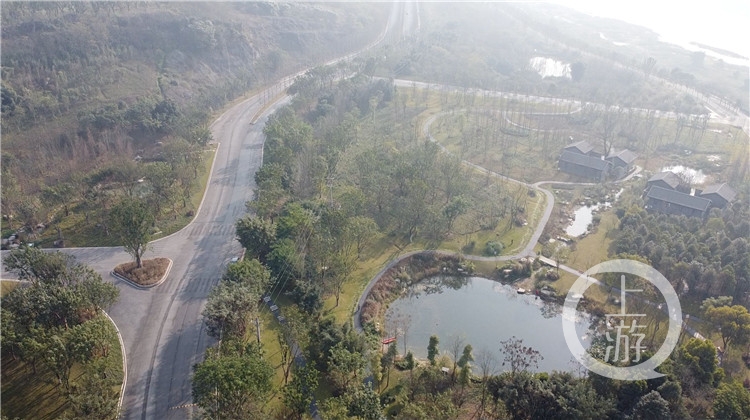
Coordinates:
151	272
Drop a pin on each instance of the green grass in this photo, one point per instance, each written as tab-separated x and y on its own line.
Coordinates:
594	248
38	396
269	327
169	227
77	232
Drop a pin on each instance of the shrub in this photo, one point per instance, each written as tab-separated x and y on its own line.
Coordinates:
493	248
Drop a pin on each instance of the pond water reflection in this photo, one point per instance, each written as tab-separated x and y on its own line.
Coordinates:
483	312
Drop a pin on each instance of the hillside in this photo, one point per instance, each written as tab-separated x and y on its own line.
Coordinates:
500	45
89	87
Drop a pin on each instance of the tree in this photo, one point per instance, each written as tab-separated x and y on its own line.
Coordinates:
361	230
95	395
163	180
697	359
733	323
466	356
732	402
652	407
517	356
251	273
456	207
63	293
386	362
256	235
131	221
410	364
345	367
28	210
487	365
229	309
364	403
432	349
454	348
558	395
464	375
60	194
233	386
648	66
298	394
715	302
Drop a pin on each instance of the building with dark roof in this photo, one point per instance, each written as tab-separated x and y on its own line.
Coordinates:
581	147
668	180
584	166
622	162
674	202
719	194
622	158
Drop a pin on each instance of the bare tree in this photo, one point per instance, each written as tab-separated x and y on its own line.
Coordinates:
517	356
487	364
609	123
455	348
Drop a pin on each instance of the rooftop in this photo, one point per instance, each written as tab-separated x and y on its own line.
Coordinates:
584	160
625	155
679	198
669	177
583	146
724	190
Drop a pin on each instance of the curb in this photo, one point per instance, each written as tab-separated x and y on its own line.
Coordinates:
124	363
205	190
150	286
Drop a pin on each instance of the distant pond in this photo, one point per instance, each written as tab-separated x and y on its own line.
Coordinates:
483	312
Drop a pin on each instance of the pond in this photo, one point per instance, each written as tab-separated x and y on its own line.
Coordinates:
696	176
482	312
582	217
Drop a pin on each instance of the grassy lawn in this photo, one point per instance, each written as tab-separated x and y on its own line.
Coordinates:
30	395
593	249
169	227
269	329
78	232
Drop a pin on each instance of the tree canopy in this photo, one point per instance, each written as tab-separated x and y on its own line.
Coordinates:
131	220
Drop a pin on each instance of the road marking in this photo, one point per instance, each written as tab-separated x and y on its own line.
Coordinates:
177	407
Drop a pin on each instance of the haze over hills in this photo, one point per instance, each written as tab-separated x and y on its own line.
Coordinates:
447	140
78	77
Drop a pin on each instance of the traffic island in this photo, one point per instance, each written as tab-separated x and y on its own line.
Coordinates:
152	272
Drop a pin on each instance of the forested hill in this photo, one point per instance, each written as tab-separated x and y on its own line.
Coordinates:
85	84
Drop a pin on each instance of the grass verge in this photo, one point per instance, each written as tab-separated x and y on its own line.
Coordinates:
30	395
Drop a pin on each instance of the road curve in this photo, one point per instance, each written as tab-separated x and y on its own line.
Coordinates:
161	327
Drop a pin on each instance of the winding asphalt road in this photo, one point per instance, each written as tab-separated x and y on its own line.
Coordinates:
161	327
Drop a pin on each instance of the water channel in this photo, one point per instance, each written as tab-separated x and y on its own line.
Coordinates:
482	312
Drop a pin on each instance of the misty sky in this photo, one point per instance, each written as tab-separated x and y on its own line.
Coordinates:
719	23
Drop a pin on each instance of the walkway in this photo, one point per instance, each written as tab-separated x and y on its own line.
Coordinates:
528	250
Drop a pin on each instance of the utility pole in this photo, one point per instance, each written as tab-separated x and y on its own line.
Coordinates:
257	329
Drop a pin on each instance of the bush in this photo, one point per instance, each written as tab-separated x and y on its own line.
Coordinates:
493	248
